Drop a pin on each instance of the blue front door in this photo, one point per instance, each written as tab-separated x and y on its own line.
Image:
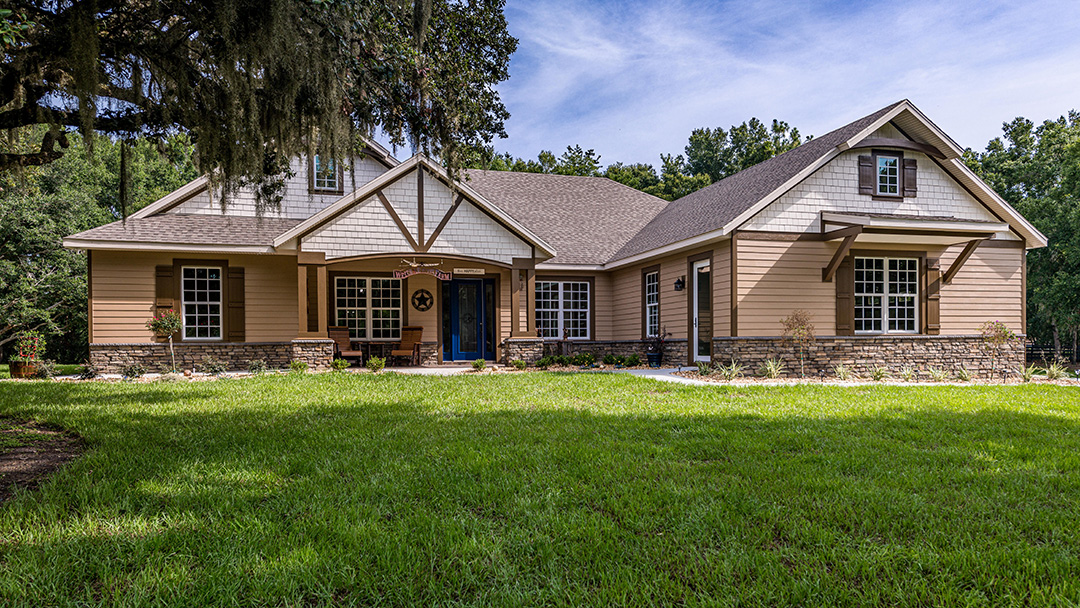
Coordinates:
467	319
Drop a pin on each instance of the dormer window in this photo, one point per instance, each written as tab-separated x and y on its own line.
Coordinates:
326	176
888	176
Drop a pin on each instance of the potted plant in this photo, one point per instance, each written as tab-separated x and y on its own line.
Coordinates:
654	347
29	346
165	325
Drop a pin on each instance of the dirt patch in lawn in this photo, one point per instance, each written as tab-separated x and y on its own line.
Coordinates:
30	452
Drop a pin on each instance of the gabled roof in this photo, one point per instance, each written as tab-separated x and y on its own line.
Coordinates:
586	219
369	189
722	207
209	232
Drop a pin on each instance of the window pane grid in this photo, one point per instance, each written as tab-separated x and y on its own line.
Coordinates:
351	305
325	174
888	175
562	306
201	302
369	307
652	304
886	295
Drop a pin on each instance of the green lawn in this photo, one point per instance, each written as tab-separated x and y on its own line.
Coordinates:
547	489
65	369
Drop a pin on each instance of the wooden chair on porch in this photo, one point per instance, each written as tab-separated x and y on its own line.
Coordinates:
410	344
343	344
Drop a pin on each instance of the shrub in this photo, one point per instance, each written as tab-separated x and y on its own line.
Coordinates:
633	360
704	367
165	325
1056	371
937	375
257	366
799	332
879	373
87	372
996	336
479	365
46	369
842	372
210	365
584	359
731	371
610	359
133	371
1027	373
29	346
771	367
562	360
298	367
907	373
543	362
339	365
376	364
963	374
620	360
518	364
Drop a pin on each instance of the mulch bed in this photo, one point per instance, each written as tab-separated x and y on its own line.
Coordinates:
39	450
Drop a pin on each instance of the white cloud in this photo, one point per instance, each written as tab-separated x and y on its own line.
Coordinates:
633	79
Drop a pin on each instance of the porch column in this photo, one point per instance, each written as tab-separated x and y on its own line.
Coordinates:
523	278
312	289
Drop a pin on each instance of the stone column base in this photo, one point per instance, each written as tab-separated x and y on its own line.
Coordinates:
529	350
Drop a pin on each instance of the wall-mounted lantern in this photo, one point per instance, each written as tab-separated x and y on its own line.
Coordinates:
680	283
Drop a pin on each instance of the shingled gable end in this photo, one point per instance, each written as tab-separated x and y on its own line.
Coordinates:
877	229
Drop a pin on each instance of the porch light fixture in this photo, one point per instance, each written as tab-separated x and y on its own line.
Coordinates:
680	283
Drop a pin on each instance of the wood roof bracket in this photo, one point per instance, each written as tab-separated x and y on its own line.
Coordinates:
848	235
958	263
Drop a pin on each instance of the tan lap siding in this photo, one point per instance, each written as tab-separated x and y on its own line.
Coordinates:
626	303
722	289
123	294
988	287
779	277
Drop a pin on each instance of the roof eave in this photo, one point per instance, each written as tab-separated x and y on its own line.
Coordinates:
98	244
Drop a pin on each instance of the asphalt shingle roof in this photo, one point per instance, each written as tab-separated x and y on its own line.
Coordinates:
586	219
713	207
181	229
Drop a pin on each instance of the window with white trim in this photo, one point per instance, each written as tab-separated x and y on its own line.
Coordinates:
652	304
563	307
201	302
370	307
888	175
886	295
326	175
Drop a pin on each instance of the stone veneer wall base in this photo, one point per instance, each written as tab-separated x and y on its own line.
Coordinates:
860	354
154	357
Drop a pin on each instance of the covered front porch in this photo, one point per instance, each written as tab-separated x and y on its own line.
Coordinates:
465	308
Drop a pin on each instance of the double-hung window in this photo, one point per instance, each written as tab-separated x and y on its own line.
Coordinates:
562	308
652	303
886	295
370	307
201	302
326	178
888	175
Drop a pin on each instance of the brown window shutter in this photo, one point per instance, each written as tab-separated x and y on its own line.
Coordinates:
932	297
236	319
866	175
911	179
164	288
845	298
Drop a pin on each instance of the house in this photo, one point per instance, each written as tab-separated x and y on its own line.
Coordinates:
878	229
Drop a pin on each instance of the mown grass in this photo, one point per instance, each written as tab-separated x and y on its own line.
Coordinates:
65	369
547	489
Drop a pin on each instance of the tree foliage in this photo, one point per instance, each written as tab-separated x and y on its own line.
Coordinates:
43	285
719	153
1036	168
255	82
711	155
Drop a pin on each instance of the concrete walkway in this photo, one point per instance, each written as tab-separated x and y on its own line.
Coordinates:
665	374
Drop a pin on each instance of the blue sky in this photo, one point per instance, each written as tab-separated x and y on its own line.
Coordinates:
632	79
